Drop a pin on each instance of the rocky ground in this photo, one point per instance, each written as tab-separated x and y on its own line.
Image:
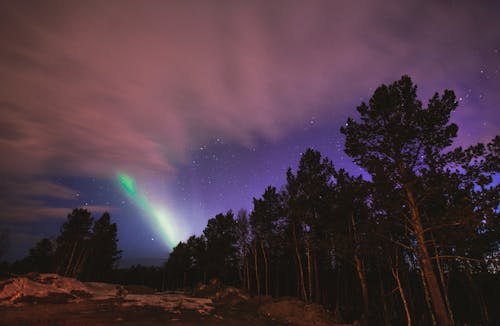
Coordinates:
48	299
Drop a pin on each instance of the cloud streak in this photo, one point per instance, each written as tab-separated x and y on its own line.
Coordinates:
94	87
26	200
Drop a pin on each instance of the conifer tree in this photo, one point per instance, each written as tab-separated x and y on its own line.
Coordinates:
397	139
72	242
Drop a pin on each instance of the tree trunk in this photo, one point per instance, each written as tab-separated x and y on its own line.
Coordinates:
247	270
478	295
257	279
79	263
382	296
309	274
316	278
360	268
426	263
70	259
362	281
427	297
278	284
244	272
163	283
443	282
299	263
395	273
266	266
297	285
338	294
241	275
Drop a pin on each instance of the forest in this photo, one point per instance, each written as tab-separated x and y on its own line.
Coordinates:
413	240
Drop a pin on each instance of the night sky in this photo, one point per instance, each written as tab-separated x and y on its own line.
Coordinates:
202	104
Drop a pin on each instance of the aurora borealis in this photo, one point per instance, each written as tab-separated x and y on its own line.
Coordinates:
201	105
160	218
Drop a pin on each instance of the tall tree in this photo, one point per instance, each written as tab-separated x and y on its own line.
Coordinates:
221	236
41	257
103	252
72	242
309	205
468	200
395	141
266	213
178	265
349	227
243	245
197	249
295	228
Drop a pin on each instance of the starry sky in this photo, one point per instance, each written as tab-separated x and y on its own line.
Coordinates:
202	104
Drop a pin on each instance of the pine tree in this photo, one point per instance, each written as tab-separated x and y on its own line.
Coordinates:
266	213
41	257
72	243
86	249
221	237
395	140
103	252
243	246
349	227
309	206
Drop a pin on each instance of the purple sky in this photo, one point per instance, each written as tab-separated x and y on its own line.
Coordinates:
205	103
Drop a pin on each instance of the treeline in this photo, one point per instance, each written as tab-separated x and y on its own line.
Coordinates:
414	241
86	248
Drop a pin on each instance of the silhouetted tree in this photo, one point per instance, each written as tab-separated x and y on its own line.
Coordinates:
396	140
41	257
221	238
243	245
103	252
266	213
309	209
72	243
86	249
415	242
178	265
350	227
466	202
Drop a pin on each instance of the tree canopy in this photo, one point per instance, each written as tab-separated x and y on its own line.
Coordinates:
416	242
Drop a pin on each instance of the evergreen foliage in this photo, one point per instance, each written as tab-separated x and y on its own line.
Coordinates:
415	242
85	248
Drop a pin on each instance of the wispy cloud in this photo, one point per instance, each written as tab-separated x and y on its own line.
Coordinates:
27	199
93	86
89	88
25	210
32	187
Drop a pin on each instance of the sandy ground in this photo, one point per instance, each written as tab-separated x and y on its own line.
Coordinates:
113	313
49	299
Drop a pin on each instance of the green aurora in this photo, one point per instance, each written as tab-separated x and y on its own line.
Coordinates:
163	222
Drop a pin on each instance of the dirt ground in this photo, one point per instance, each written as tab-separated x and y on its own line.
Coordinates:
49	299
112	313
